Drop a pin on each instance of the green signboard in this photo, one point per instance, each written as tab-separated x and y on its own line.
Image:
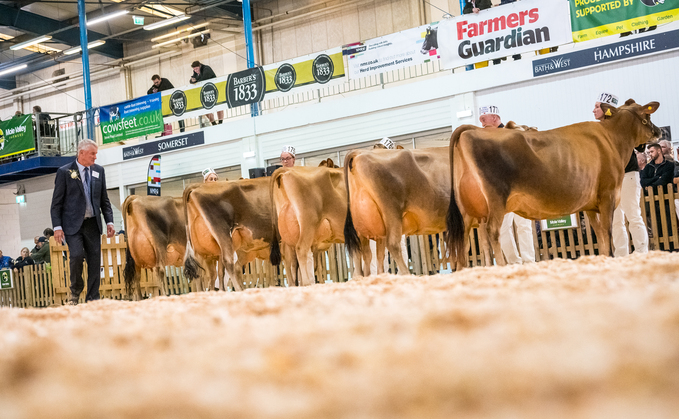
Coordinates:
130	119
6	279
567	221
591	19
16	135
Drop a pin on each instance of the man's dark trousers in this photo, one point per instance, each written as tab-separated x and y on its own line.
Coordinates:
87	237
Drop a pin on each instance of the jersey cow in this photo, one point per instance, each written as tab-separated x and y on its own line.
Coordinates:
156	237
542	174
392	193
309	209
229	221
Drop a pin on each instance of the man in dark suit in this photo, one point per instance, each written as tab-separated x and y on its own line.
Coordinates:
78	202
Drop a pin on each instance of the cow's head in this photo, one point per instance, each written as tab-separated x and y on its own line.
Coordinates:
645	129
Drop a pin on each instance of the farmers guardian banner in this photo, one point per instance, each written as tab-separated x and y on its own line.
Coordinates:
391	52
16	136
515	28
593	19
302	71
131	119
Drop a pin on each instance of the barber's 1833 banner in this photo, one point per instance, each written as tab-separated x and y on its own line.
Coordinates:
593	19
515	28
130	119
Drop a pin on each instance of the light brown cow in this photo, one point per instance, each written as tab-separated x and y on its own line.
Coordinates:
542	174
392	193
230	221
155	230
309	209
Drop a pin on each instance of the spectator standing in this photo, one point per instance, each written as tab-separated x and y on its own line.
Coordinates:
17	113
161	84
5	261
630	195
42	120
48	232
475	6
659	171
43	253
515	56
202	72
489	116
35	242
641	160
23	260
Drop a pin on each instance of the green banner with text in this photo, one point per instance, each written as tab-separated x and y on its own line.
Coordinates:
16	135
592	19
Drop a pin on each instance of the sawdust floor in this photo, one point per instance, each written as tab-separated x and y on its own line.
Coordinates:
597	337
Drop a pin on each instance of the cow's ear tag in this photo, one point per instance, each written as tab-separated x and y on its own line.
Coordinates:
650	108
608	112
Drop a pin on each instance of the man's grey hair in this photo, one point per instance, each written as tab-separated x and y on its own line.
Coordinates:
665	143
83	144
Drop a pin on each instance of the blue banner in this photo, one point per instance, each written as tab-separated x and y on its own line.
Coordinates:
633	47
130	119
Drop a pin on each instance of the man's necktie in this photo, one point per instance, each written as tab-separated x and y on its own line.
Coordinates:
89	210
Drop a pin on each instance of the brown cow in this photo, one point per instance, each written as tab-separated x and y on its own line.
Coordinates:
542	174
155	229
392	193
309	209
230	221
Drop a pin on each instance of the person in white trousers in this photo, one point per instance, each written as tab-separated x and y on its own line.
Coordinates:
630	195
489	116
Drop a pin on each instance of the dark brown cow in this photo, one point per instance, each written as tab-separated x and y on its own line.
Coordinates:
156	237
230	221
309	210
543	174
392	193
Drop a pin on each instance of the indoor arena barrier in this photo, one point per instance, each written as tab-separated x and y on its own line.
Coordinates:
45	285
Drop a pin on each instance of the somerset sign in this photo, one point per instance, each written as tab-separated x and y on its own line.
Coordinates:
161	146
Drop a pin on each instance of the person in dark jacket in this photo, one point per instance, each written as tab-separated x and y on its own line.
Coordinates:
161	84
659	171
24	259
475	6
43	253
202	72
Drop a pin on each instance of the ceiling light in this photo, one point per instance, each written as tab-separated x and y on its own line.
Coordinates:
77	49
166	22
158	38
31	42
172	41
13	69
106	17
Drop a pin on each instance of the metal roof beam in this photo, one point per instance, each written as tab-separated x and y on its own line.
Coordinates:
34	23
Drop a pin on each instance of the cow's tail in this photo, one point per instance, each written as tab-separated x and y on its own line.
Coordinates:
130	266
192	268
454	218
351	239
275	254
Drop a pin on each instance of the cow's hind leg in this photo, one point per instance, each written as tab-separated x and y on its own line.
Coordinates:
394	247
380	253
601	223
493	229
291	265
